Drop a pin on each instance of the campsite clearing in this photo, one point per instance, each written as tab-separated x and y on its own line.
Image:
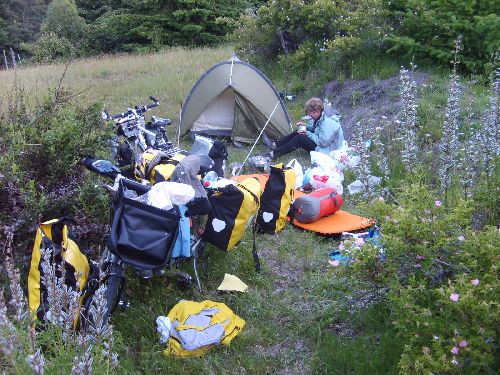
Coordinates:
302	317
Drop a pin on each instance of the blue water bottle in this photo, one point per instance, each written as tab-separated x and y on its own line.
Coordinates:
209	179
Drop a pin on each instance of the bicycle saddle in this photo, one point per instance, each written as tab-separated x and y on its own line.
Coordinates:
159	121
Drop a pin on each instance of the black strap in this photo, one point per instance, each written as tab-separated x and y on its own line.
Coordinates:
291	210
335	201
254	249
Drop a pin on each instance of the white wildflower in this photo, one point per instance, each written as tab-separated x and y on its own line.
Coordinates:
408	118
18	299
36	362
448	147
8	332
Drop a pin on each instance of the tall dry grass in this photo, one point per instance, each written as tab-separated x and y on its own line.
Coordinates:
120	81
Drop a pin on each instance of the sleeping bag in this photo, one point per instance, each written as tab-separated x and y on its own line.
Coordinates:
310	207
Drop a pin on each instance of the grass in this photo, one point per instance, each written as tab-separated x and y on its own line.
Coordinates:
289	311
275	338
123	80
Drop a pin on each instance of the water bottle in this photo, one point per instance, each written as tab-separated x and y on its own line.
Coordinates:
210	178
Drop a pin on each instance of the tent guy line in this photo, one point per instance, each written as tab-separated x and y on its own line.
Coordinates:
258	137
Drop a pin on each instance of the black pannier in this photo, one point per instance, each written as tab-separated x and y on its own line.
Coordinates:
141	235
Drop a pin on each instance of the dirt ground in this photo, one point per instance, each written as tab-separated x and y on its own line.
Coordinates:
365	100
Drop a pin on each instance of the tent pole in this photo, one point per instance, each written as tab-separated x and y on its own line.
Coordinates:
179	129
258	137
231	74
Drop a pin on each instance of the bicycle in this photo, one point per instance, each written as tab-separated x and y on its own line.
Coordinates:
141	237
133	135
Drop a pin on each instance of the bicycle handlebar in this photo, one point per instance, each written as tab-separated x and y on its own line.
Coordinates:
138	108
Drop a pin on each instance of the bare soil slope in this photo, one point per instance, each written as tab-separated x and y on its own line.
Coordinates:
365	100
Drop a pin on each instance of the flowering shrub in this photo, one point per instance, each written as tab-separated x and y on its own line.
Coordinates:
450	328
443	278
29	346
364	257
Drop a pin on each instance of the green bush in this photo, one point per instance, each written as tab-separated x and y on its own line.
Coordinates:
61	34
41	148
443	281
50	47
316	33
427	29
48	147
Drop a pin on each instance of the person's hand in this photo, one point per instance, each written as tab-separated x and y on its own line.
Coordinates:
301	127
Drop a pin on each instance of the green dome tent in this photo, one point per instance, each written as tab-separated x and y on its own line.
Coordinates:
234	99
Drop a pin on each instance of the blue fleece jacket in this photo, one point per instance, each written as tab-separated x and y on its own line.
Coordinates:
327	134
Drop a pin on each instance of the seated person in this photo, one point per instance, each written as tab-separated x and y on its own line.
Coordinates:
321	133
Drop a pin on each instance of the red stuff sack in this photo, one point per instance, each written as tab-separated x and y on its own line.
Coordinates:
322	202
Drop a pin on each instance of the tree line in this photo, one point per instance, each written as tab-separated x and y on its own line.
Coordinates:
297	33
331	33
45	30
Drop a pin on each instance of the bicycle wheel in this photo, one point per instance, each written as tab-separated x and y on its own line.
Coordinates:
114	287
95	313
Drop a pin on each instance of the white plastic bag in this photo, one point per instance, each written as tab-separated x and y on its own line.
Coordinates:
319	178
295	165
322	181
345	156
334	173
166	194
329	166
324	160
201	145
341	157
355	187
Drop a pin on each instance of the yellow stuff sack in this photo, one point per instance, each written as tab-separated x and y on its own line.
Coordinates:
55	237
198	326
276	198
154	166
233	206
